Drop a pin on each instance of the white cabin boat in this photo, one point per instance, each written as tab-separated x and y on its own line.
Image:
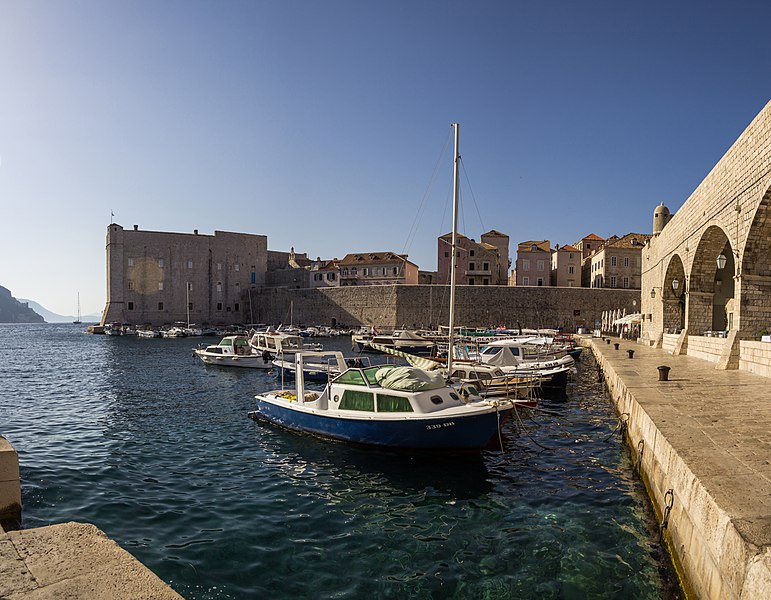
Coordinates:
232	351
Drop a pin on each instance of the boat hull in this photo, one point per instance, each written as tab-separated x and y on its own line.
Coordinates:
467	432
245	362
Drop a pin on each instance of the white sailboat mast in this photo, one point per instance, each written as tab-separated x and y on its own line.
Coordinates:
453	260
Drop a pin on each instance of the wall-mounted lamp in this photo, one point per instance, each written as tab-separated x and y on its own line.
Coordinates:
653	292
721	260
675	284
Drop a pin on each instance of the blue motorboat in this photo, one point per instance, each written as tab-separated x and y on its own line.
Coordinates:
386	406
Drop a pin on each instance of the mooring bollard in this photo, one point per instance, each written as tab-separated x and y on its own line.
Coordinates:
616	345
607	341
630	353
663	373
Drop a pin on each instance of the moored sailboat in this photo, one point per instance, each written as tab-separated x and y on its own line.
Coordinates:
386	405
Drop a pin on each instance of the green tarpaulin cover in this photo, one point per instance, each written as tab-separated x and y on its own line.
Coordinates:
409	379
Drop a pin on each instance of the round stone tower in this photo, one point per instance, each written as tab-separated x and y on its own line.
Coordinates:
661	217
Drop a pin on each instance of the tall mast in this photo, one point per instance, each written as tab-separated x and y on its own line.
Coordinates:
455	174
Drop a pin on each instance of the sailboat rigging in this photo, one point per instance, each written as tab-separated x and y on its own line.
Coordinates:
78	321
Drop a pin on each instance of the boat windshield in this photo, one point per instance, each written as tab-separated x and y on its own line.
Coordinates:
369	373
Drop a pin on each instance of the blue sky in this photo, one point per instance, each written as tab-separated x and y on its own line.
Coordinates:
321	124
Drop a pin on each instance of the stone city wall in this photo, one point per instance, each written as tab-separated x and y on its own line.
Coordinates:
422	306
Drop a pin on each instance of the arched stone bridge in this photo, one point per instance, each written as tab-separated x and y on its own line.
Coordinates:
706	281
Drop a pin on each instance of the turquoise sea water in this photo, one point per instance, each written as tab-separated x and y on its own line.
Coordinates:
155	449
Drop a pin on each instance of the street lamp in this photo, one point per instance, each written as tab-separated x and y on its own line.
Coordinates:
675	285
721	260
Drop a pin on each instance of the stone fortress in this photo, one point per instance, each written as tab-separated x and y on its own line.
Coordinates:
706	277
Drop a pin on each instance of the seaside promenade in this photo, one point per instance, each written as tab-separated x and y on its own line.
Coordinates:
702	443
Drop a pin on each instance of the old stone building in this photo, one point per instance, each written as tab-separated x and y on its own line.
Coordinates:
587	246
158	278
324	273
476	263
706	280
566	267
377	268
533	266
617	262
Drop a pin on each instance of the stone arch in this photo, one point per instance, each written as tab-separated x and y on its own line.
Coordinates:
711	290
673	300
754	273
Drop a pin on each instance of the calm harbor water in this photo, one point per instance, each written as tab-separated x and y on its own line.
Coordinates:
156	450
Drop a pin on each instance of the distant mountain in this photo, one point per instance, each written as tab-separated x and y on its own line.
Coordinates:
52	317
15	311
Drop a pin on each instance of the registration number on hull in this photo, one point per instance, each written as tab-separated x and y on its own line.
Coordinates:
440	425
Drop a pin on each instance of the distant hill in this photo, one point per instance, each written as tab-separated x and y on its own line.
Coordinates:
52	317
15	311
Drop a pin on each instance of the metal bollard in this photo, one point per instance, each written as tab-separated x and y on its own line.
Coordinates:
607	341
630	353
616	345
663	372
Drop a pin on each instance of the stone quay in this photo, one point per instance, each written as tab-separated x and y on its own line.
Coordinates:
699	438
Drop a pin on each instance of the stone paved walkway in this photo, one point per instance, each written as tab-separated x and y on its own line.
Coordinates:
718	424
73	561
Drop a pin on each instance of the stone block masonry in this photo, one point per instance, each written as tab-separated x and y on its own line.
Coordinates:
701	440
423	306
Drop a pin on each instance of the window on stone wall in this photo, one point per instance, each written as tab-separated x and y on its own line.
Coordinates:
237	267
131	306
190	264
525	264
571	269
540	281
219	266
160	286
130	284
525	281
189	306
219	305
471	266
612	281
236	306
626	282
626	261
612	261
160	306
219	287
539	265
485	266
189	286
471	253
160	263
130	262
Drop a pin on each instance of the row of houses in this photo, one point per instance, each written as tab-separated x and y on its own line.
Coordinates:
593	262
157	276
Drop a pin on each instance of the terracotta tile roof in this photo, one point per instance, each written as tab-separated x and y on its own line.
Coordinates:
568	248
541	246
630	240
495	232
369	258
593	237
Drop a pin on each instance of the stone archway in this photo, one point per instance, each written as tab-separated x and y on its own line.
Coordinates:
673	297
754	273
711	286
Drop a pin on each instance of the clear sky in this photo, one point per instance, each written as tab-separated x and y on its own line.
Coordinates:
321	123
